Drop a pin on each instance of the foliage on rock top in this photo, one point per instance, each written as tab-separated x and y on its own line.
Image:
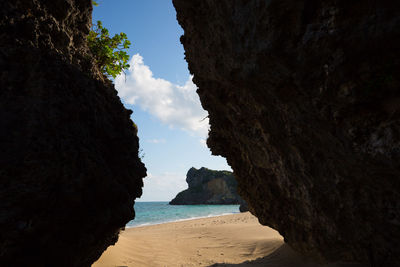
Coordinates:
110	53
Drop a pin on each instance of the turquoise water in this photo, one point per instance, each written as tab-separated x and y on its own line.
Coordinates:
148	213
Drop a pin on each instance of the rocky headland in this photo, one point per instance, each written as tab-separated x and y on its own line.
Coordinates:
208	187
304	102
69	165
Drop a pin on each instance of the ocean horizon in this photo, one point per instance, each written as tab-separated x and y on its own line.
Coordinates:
158	212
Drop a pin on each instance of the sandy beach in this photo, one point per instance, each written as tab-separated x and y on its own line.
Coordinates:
230	240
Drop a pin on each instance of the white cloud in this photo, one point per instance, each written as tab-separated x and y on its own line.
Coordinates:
175	105
156	141
203	142
163	187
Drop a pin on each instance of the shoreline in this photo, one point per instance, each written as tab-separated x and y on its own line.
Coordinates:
180	220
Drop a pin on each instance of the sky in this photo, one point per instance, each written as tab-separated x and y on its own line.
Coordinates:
172	125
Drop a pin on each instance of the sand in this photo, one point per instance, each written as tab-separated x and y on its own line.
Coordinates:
230	240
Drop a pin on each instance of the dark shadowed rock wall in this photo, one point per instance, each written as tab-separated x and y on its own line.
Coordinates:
69	166
304	102
207	186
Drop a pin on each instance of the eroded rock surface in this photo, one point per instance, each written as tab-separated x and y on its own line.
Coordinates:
304	102
69	166
207	186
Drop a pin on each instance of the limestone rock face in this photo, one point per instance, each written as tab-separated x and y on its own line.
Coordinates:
69	166
304	102
208	187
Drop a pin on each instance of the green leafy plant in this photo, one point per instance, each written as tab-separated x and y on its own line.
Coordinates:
110	53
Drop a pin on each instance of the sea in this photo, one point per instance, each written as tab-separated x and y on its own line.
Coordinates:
149	213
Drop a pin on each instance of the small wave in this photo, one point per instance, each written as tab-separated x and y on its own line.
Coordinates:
181	220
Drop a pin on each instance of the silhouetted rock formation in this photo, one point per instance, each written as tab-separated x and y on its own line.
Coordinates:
208	187
69	166
244	207
304	102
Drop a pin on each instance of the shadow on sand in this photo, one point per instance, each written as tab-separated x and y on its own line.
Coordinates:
284	256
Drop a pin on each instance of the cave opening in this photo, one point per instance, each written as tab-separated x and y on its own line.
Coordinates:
172	129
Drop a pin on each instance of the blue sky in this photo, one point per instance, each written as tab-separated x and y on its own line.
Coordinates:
159	90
